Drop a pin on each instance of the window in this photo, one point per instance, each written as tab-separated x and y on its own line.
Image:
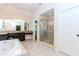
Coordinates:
1	25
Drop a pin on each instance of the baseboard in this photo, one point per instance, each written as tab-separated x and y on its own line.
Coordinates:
64	53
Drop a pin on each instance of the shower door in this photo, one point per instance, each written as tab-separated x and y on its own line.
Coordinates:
47	29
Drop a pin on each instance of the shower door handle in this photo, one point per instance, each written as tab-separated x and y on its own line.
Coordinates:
77	35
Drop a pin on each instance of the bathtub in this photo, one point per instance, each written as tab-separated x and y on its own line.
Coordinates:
12	48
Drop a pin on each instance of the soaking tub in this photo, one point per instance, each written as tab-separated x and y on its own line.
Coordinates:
12	48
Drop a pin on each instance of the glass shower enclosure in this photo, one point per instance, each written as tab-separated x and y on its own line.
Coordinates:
47	27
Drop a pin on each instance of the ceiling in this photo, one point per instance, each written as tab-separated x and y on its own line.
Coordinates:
48	13
31	7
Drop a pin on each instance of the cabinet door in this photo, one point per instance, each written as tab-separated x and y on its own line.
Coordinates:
3	37
21	36
68	29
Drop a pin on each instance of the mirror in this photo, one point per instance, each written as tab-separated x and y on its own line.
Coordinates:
11	24
47	27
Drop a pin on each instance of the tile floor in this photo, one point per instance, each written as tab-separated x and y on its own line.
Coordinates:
39	49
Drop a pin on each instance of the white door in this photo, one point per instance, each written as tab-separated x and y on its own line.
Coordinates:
68	31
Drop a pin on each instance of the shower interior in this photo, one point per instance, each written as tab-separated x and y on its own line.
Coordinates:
47	27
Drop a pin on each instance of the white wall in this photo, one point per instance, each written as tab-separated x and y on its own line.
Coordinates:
67	28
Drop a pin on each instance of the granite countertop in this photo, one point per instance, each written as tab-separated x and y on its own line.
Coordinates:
5	32
29	31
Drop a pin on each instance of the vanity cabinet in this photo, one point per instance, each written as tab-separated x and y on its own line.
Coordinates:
3	37
19	35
